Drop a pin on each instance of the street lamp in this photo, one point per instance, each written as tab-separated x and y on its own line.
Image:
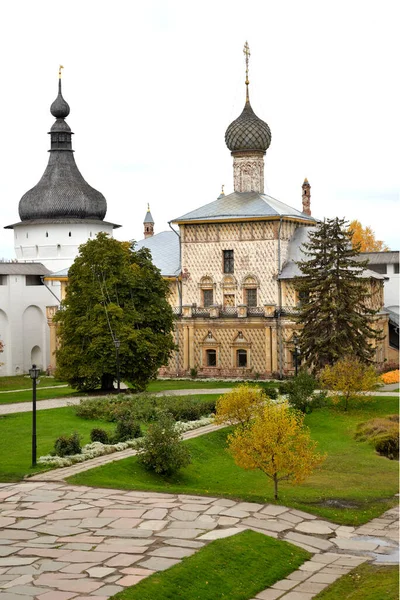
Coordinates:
34	374
117	345
295	340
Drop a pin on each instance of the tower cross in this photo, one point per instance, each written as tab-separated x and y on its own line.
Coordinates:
59	71
246	51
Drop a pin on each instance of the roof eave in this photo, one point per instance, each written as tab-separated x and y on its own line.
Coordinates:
227	219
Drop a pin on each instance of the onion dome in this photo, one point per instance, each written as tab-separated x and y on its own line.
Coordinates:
62	192
248	132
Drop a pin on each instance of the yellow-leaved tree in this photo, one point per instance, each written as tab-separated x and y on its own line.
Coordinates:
349	379
238	406
366	238
277	443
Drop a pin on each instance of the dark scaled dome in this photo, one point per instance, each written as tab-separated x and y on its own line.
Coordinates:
62	192
248	132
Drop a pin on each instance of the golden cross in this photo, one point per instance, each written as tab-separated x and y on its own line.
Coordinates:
59	71
246	51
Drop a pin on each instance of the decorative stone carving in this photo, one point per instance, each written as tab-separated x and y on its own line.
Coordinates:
248	173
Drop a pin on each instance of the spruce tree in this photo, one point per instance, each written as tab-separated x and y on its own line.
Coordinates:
335	311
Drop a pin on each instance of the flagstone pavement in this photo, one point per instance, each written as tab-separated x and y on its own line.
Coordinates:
64	542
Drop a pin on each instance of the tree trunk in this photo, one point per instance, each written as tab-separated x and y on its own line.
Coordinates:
275	486
107	382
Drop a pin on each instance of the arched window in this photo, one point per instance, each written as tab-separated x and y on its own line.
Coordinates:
241	358
47	234
69	234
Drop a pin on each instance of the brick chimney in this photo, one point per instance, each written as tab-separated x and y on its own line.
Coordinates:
306	198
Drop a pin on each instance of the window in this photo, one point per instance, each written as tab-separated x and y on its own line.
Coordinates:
69	234
396	268
241	358
33	280
211	358
47	234
303	298
207	297
228	261
251	297
3	280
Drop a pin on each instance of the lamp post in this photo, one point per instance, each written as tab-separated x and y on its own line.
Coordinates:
117	345
296	353
34	374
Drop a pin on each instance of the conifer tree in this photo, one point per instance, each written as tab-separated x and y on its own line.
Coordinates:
335	311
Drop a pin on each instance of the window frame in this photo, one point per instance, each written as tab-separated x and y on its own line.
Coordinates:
228	262
241	352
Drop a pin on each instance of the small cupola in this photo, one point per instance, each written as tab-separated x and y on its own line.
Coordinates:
148	224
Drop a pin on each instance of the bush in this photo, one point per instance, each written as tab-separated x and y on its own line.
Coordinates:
390	377
142	407
64	445
382	433
387	444
127	429
271	393
161	450
185	409
349	379
388	366
99	435
238	406
300	391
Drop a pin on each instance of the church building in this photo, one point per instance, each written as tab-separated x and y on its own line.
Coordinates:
231	269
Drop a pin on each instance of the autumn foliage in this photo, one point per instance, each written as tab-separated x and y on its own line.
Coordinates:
349	379
239	405
390	377
365	237
277	443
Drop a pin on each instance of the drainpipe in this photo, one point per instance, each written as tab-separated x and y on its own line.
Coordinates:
51	291
179	283
179	286
279	322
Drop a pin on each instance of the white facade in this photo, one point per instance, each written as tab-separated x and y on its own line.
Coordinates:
55	245
23	324
391	289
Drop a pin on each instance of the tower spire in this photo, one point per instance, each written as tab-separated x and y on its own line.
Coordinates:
246	51
148	224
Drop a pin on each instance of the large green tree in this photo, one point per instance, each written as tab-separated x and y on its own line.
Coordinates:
335	311
114	292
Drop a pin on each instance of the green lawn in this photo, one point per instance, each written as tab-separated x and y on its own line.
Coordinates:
366	582
15	437
24	382
353	486
194	384
235	568
16	397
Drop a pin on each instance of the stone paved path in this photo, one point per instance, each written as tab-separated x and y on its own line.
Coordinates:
65	542
21	407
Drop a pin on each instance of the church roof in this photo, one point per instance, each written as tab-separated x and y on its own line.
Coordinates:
62	192
243	205
295	253
165	252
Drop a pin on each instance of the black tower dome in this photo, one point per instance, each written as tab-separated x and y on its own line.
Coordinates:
62	192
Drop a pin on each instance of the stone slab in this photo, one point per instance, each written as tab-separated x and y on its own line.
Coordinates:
158	564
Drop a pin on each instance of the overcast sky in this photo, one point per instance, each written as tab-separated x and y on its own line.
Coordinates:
153	85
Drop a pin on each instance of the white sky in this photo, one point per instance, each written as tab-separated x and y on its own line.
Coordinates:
153	85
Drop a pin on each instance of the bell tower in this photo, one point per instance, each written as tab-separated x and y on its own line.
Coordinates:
148	224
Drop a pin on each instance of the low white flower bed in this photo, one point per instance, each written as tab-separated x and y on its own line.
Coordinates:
98	449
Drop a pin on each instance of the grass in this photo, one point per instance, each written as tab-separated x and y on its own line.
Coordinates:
193	384
366	582
235	568
16	397
353	486
24	382
15	438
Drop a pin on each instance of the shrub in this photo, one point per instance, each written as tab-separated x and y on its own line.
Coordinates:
64	445
99	435
185	409
271	393
127	429
388	366
300	391
382	433
387	444
161	450
390	377
193	372
238	406
349	379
